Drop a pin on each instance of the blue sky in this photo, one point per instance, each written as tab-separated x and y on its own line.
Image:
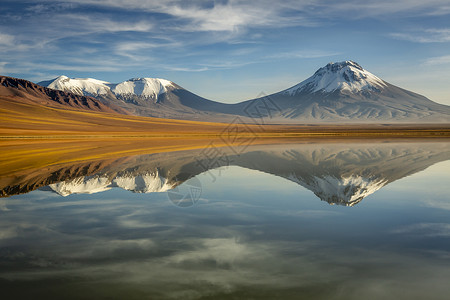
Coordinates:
228	50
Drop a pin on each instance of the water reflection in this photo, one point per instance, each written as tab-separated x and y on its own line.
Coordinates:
337	173
252	235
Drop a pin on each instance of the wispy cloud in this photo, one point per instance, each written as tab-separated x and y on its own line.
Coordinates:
231	15
381	8
101	67
237	15
425	36
227	15
46	8
302	54
93	23
438	60
9	42
185	69
6	39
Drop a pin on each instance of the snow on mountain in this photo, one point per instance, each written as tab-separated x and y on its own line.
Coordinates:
344	76
144	87
146	183
80	86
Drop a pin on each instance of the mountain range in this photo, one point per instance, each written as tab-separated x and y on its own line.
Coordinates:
341	92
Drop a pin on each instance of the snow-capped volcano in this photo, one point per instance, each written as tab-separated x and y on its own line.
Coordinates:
141	87
343	76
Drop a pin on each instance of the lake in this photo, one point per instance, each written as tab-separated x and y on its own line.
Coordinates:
337	219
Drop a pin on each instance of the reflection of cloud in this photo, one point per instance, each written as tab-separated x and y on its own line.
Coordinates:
310	213
236	246
439	204
221	250
426	229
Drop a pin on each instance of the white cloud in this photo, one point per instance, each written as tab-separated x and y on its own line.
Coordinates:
302	54
362	9
6	39
91	67
236	13
185	69
232	16
438	60
92	23
425	36
44	8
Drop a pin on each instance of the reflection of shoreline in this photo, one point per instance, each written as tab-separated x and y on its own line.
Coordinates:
337	173
22	156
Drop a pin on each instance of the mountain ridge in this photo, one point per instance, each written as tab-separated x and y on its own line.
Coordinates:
30	92
338	92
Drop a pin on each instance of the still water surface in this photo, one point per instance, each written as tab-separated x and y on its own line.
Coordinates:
357	220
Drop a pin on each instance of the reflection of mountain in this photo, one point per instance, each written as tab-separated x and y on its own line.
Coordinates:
345	174
145	183
337	173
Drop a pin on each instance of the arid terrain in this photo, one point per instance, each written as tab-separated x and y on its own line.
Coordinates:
20	117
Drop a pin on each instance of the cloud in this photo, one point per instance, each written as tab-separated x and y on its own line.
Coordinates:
213	15
185	69
302	54
93	23
6	39
438	60
425	36
236	15
231	15
53	7
90	67
362	9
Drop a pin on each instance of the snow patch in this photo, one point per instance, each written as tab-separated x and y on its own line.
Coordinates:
80	86
146	87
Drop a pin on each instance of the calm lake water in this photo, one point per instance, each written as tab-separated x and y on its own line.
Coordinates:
339	220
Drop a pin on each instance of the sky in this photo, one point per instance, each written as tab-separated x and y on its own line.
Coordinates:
228	51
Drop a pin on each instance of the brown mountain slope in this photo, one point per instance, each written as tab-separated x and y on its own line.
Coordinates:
30	93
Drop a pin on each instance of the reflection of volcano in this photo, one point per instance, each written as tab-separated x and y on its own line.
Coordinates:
337	173
345	173
345	190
